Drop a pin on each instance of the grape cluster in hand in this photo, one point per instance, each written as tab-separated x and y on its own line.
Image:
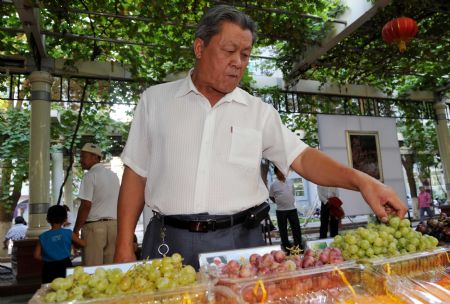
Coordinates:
383	240
159	274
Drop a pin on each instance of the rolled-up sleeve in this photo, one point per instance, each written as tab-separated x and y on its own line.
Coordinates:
280	145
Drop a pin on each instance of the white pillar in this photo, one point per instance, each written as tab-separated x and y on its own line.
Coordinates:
57	174
68	188
443	138
39	159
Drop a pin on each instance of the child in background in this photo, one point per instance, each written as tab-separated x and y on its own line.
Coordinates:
54	246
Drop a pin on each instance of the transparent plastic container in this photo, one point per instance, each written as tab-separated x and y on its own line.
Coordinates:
141	285
349	283
422	277
195	294
414	263
418	291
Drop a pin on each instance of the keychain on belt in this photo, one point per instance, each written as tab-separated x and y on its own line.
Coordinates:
163	249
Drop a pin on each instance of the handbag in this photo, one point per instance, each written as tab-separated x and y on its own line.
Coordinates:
335	205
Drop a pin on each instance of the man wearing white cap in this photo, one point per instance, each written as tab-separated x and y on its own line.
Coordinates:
97	214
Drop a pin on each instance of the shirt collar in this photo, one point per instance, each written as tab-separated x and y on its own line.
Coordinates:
95	166
187	86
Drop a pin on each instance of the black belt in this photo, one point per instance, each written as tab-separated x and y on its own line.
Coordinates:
100	220
204	225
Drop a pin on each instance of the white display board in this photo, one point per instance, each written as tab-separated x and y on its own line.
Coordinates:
333	141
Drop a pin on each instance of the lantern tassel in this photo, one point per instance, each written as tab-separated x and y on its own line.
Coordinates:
402	46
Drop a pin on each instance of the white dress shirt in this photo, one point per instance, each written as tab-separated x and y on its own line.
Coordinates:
101	187
199	158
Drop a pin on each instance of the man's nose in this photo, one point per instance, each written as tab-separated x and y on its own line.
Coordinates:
236	60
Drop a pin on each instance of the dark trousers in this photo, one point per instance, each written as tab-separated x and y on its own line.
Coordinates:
422	211
326	220
283	216
55	269
191	244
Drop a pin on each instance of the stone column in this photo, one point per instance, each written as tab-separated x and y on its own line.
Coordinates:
39	160
443	138
68	188
57	174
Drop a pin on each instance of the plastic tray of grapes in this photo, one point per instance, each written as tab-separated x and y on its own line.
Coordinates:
412	264
379	240
153	281
346	283
275	261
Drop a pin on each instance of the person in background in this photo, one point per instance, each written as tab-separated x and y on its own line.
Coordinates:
70	222
327	220
17	232
282	193
55	245
194	151
424	201
97	214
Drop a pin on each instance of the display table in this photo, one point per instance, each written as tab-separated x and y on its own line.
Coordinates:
422	277
24	265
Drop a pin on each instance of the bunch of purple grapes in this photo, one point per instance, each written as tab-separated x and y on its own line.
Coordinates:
277	262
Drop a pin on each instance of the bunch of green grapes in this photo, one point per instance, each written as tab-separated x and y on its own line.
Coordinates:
383	240
153	275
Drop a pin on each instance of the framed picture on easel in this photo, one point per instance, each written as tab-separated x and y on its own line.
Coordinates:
363	150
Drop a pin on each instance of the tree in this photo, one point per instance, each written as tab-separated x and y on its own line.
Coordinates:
14	150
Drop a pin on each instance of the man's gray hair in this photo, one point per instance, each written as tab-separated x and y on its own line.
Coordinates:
211	21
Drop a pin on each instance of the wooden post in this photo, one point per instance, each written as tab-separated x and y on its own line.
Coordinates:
23	263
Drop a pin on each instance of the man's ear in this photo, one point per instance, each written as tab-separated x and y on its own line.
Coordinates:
199	46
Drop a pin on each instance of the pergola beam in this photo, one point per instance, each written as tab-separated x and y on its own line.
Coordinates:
357	13
29	16
88	69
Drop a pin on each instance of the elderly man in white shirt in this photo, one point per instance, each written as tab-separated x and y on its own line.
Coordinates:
194	150
97	214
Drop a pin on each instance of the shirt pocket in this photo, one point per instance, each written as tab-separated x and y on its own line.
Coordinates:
246	145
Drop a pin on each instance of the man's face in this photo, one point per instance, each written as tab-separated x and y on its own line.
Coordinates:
222	63
87	160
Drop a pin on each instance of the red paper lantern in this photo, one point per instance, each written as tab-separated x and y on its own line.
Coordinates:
399	30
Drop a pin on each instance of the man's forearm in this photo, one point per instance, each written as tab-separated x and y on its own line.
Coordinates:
83	212
130	206
319	168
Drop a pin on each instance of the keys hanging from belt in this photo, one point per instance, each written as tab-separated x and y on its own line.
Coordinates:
163	248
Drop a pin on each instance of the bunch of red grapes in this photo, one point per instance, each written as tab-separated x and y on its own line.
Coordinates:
277	261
